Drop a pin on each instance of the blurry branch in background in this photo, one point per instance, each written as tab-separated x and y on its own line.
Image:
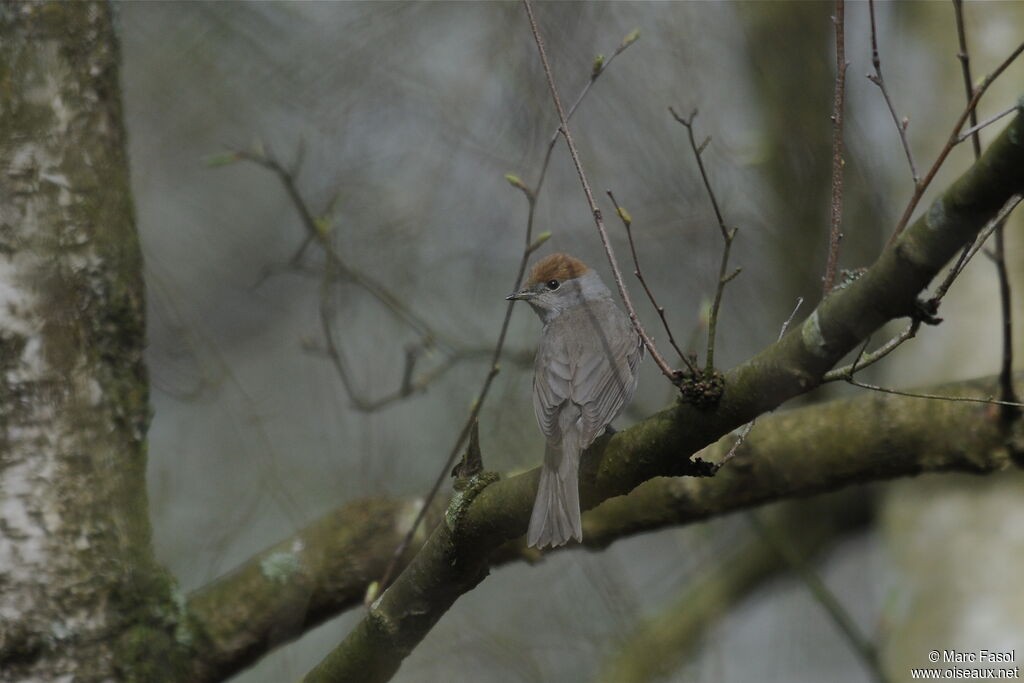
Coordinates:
794	557
674	376
727	236
324	569
876	78
954	139
930	306
319	231
1006	394
530	246
660	644
627	222
744	432
455	558
836	206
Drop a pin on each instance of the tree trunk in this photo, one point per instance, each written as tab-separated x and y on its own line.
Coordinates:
80	593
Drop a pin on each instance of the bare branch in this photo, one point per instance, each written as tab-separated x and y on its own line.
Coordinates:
672	375
936	397
864	360
531	245
974	129
999	257
822	594
727	236
836	207
745	431
876	78
919	190
975	247
627	221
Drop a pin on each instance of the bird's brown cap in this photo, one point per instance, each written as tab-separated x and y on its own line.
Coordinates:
556	267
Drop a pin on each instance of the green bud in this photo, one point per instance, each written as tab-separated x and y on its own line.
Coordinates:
372	591
218	160
704	318
598	66
323	225
541	239
515	181
624	215
630	38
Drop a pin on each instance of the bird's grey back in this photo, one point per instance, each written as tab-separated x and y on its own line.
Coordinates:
587	359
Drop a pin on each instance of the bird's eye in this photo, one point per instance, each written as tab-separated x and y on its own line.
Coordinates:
552	284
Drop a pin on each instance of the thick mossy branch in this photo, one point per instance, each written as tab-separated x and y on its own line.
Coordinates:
659	644
873	436
298	583
662	444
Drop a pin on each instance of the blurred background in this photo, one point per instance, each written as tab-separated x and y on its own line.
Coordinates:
403	120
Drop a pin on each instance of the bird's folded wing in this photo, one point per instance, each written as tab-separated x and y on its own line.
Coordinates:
596	371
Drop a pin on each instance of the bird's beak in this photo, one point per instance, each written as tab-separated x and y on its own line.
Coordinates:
521	295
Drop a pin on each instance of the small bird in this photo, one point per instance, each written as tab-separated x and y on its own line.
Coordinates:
584	374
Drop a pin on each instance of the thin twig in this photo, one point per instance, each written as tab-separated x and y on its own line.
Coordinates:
314	232
970	132
821	592
836	207
912	394
336	270
864	360
846	372
919	190
876	78
972	249
672	375
530	245
745	430
1006	390
627	221
727	235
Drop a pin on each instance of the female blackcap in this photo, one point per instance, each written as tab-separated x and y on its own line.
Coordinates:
584	374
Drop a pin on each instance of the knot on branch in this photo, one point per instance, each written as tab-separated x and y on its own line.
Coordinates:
692	467
847	276
703	389
464	496
925	311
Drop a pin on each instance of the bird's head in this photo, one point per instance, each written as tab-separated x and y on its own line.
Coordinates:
558	282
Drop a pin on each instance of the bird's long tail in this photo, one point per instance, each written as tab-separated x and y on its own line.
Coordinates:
556	510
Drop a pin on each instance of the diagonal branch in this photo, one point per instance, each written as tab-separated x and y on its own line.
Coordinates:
836	206
673	375
324	569
455	557
1006	394
530	246
728	236
954	137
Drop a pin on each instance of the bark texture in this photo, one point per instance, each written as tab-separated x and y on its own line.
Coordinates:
80	595
454	559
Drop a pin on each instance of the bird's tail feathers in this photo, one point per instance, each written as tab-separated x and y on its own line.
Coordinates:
556	510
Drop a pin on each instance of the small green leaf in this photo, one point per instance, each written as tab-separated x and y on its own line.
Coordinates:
218	160
541	239
372	591
704	317
515	181
630	38
598	66
624	215
323	225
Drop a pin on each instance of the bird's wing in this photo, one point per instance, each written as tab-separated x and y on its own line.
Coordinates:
605	384
594	369
552	378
